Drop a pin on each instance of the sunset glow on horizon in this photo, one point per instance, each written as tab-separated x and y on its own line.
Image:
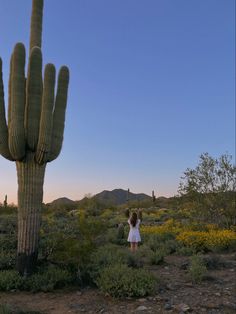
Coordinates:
152	88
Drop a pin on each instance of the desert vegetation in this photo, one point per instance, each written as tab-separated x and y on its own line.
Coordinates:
87	247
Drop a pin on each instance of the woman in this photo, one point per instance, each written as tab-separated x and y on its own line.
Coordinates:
134	235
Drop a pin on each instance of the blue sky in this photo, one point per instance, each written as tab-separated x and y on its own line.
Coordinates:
152	87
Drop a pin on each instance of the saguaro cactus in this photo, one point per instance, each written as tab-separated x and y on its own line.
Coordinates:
5	202
33	134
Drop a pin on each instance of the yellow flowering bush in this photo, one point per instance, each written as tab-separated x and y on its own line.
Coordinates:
170	226
212	239
197	237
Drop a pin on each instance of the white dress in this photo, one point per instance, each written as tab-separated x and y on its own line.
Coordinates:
134	235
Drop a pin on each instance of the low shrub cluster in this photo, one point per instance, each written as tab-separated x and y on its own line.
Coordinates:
169	227
197	269
10	280
122	281
117	271
7	260
45	280
109	255
197	237
213	240
7	309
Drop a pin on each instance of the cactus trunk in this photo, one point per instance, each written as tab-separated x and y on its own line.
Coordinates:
30	194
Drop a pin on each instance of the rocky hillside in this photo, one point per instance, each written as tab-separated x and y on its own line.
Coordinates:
119	197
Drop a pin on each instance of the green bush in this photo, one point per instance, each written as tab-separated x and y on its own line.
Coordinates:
49	279
8	223
109	254
133	259
5	309
157	257
114	235
70	240
171	245
10	280
120	231
8	242
143	251
122	281
7	260
185	250
213	262
156	241
197	269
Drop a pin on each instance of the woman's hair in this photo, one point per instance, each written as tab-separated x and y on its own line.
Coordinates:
133	219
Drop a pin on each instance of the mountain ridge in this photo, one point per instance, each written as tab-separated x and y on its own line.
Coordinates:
114	197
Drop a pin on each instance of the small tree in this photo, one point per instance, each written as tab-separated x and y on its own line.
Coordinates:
209	189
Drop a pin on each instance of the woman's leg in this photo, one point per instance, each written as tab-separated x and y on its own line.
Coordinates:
132	246
135	246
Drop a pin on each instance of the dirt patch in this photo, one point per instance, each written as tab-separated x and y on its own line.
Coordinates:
176	294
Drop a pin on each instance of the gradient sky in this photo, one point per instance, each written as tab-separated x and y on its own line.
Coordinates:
152	87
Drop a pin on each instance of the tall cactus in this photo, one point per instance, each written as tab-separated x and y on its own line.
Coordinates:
33	134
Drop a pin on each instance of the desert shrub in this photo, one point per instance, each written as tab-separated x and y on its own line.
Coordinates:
7	260
122	281
5	309
169	228
214	262
8	224
157	257
111	254
48	279
27	312
116	235
9	280
107	255
120	232
8	242
115	221
164	243
144	250
107	214
213	240
72	249
185	250
197	269
134	259
170	246
156	241
71	240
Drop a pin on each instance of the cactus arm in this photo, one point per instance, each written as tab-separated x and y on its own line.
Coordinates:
36	24
34	98
45	130
4	150
59	113
16	128
9	91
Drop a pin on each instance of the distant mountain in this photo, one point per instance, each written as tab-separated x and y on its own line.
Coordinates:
63	203
119	197
105	198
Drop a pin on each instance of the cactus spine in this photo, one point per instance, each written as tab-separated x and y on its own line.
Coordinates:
33	134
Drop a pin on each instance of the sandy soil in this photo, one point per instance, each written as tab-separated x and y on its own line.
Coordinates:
176	294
